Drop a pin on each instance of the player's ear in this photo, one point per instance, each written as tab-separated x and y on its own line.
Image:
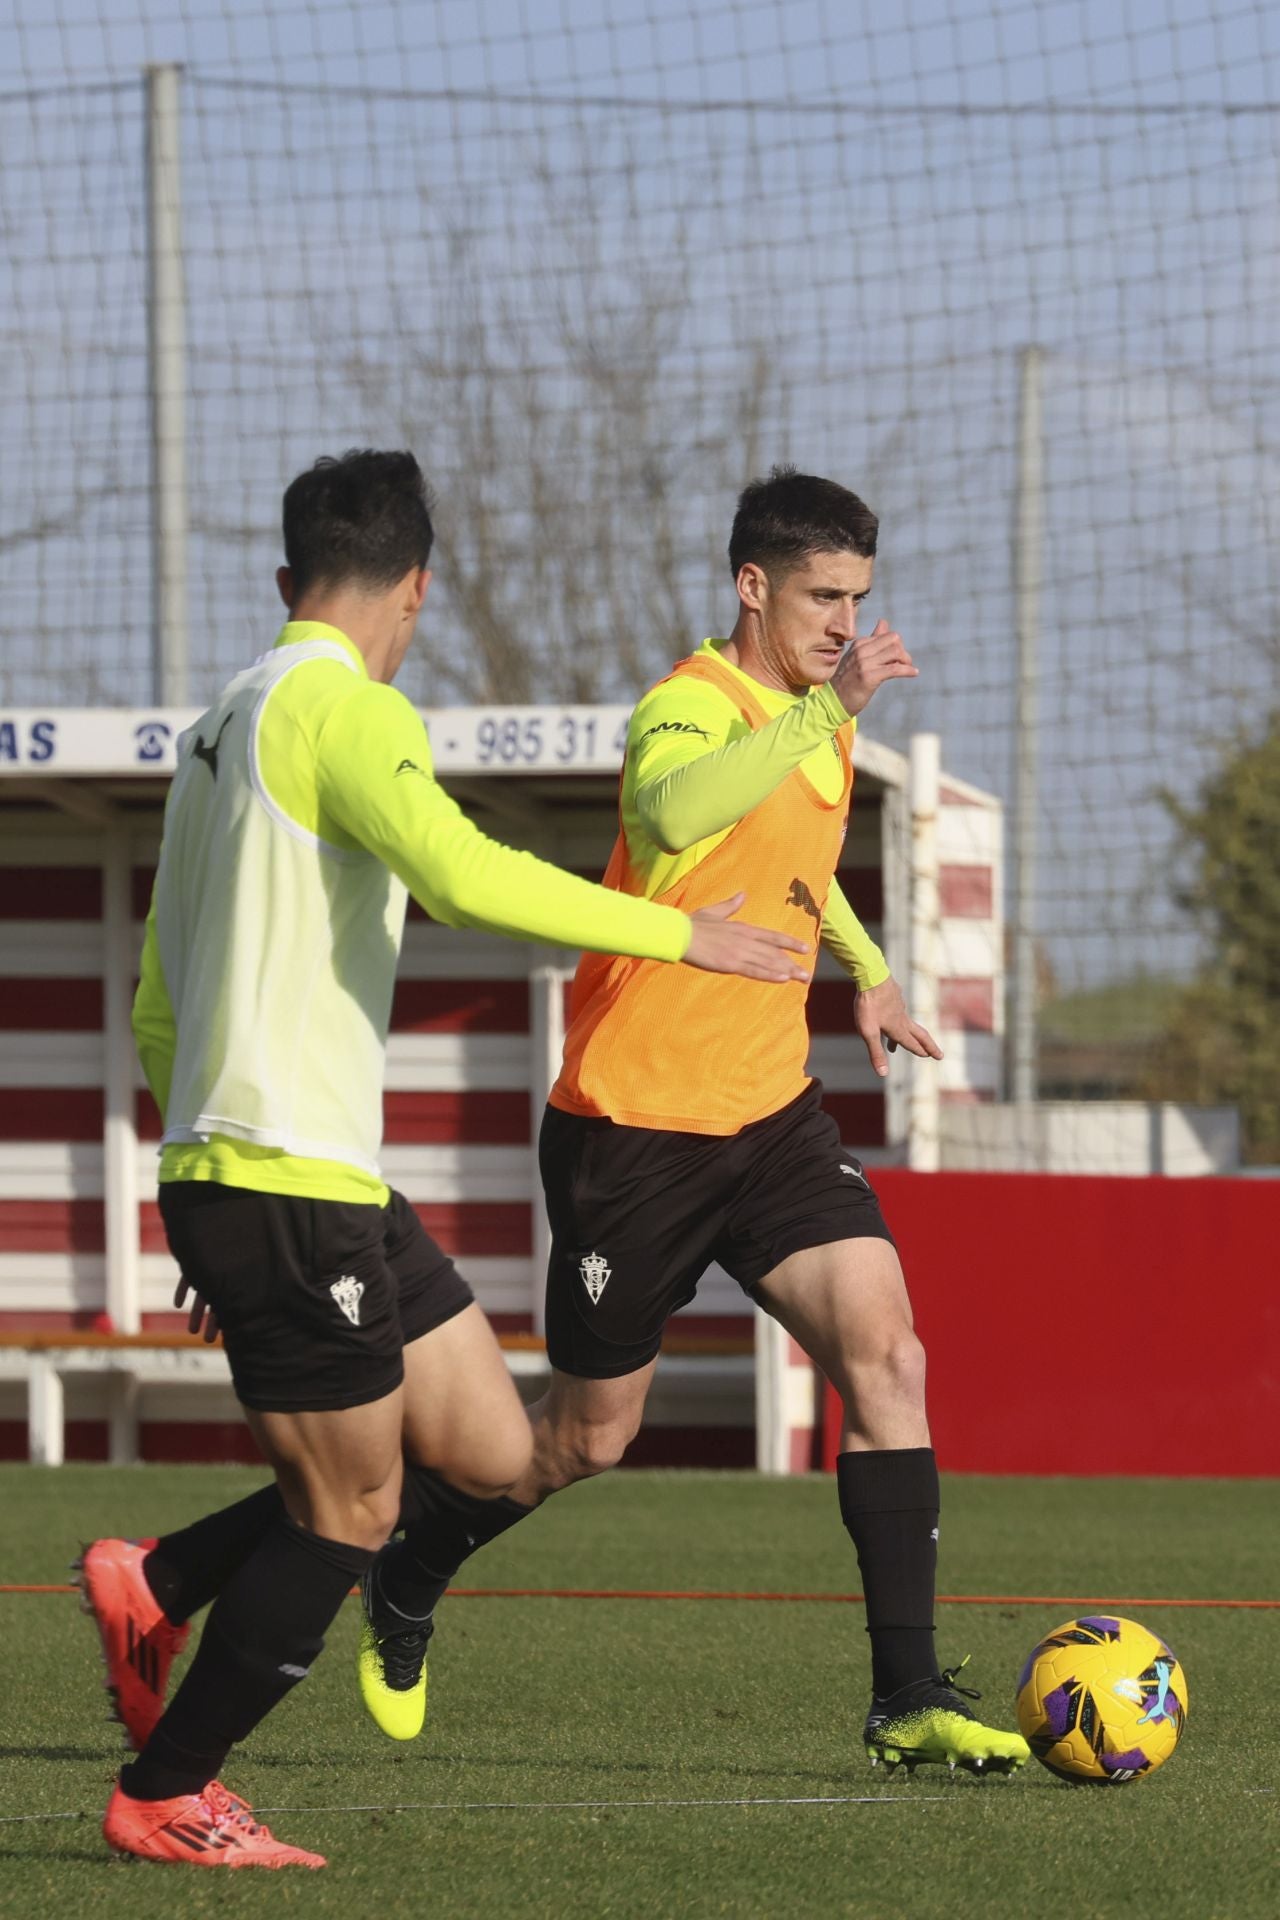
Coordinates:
412	591
753	586
284	584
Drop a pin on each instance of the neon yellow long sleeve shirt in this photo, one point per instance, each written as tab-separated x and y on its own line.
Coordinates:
347	760
695	768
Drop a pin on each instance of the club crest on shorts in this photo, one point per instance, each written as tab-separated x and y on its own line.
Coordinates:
595	1271
347	1292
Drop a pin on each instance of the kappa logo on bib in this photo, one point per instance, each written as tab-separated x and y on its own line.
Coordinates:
347	1292
595	1271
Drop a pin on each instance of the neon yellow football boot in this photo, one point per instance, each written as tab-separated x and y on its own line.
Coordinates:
930	1722
391	1665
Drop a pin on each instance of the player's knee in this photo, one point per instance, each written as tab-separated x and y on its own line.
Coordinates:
362	1516
596	1449
370	1514
891	1372
492	1469
579	1451
374	1516
902	1366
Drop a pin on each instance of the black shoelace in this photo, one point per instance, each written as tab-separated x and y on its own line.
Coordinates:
402	1655
948	1679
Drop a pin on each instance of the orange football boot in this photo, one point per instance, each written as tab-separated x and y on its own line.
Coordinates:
212	1828
139	1643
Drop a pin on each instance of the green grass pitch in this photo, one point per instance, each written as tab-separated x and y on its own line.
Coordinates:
631	1704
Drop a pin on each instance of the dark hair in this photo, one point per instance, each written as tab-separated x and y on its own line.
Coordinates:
782	520
363	518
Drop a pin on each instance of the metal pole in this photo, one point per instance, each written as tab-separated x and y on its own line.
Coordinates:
773	1440
166	342
895	938
546	1046
924	1142
120	1135
1028	550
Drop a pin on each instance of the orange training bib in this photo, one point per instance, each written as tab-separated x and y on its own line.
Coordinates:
680	1050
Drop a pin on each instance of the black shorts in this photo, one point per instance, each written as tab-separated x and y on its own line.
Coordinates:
316	1298
638	1215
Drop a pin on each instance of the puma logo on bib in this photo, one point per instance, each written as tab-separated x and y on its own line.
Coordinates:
210	754
801	897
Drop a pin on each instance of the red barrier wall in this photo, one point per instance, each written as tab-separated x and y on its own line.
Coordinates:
1092	1325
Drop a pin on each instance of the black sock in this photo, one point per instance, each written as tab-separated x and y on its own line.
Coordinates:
889	1503
266	1627
187	1569
443	1526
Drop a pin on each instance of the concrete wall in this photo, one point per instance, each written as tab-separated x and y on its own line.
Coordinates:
1091	1136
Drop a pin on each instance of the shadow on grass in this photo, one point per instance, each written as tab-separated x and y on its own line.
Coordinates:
112	1755
99	1856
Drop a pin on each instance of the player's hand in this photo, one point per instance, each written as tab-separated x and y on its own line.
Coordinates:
201	1318
720	944
880	1013
868	663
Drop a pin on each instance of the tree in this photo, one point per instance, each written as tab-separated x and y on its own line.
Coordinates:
1222	1044
584	457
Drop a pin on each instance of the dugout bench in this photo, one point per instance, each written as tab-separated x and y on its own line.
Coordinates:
133	1360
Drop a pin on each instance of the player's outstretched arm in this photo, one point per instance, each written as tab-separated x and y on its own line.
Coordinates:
466	879
377	782
880	1016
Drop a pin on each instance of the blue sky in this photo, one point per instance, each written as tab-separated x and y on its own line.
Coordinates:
923	50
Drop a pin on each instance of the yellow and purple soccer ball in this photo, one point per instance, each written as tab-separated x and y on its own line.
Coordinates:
1102	1700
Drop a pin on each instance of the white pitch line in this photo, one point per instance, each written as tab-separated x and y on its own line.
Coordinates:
551	1806
20	1819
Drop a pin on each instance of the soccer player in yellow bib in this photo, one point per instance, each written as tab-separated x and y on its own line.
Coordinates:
302	813
683	1128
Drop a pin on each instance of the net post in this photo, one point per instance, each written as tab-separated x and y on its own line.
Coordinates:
1028	548
167	381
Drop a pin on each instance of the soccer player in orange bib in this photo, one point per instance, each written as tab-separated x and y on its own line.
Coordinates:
683	1128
